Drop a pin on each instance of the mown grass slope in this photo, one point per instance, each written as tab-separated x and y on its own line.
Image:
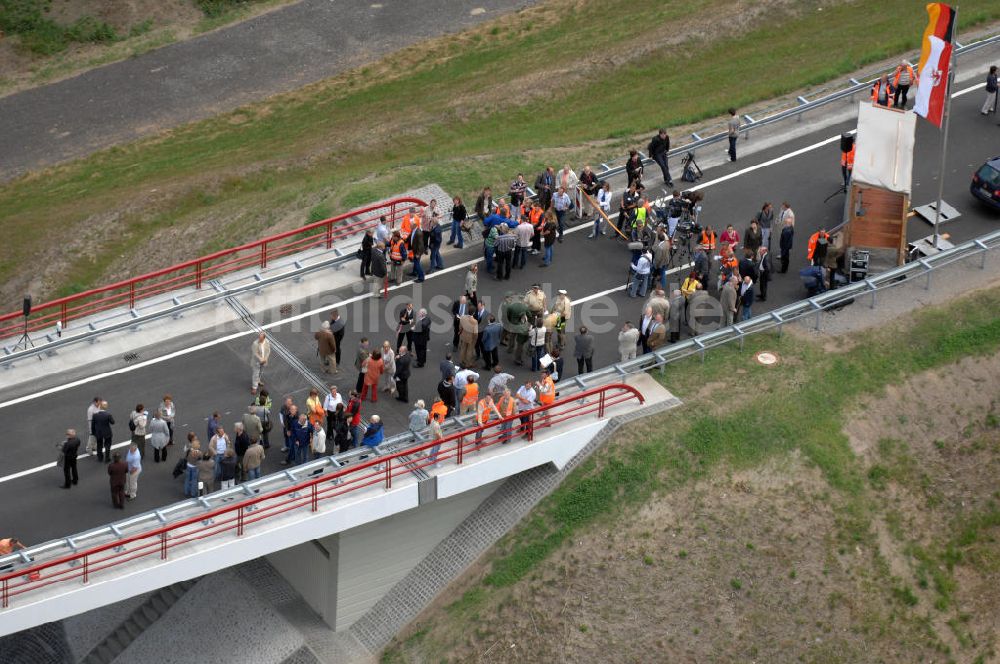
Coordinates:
567	80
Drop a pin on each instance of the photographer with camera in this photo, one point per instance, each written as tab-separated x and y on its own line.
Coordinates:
626	210
677	208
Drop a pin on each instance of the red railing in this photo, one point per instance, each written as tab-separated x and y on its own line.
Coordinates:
199	271
239	516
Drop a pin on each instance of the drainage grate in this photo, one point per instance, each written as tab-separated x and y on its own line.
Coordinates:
130	357
285	310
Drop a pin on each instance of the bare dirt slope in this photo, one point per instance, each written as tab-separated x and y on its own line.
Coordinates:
769	563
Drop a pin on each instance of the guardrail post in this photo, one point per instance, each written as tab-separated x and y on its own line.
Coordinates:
239	523
131	295
65	319
874	293
86	569
461	445
819	314
600	406
314	498
6	599
329	235
388	473
197	275
163	546
531	427
263	255
927	286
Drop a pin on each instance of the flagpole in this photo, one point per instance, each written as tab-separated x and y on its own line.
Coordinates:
947	123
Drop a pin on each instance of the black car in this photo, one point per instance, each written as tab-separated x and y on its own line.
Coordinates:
986	183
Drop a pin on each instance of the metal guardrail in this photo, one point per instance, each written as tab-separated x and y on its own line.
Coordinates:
805	105
199	271
153	534
174	306
817	305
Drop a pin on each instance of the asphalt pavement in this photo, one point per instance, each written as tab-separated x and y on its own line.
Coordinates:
201	77
216	378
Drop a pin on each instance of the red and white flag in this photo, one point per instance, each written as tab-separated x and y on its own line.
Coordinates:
935	63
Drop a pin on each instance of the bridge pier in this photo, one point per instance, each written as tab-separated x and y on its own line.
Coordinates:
343	575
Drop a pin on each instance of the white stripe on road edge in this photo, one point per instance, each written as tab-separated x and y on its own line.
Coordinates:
47	466
358	298
588	298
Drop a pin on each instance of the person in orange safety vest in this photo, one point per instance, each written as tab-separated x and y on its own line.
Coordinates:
410	221
708	238
506	406
882	91
817	247
486	412
397	254
901	82
470	398
847	163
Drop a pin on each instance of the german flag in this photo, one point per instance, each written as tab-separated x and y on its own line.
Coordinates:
935	62
940	24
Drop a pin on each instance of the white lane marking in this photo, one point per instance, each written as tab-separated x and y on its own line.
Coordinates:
214	342
230	337
967	90
616	289
38	469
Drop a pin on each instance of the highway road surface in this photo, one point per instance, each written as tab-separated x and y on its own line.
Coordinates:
201	379
278	51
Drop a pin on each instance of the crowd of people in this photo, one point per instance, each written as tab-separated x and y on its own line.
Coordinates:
472	377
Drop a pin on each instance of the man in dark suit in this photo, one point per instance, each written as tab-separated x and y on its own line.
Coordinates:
447	367
403	373
482	317
763	272
337	325
747	265
421	336
70	448
446	390
100	426
583	351
117	470
459	308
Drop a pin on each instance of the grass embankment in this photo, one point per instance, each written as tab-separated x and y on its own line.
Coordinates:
532	88
678	511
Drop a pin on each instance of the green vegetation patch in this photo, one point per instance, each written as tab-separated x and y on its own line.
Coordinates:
41	35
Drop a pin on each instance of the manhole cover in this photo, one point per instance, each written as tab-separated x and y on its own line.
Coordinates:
130	357
285	309
766	357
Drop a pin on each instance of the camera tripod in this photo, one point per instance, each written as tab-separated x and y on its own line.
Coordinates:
680	254
24	343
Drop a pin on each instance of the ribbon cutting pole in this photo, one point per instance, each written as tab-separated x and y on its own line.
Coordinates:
601	212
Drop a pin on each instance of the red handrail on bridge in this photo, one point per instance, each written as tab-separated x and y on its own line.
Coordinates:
377	470
198	271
